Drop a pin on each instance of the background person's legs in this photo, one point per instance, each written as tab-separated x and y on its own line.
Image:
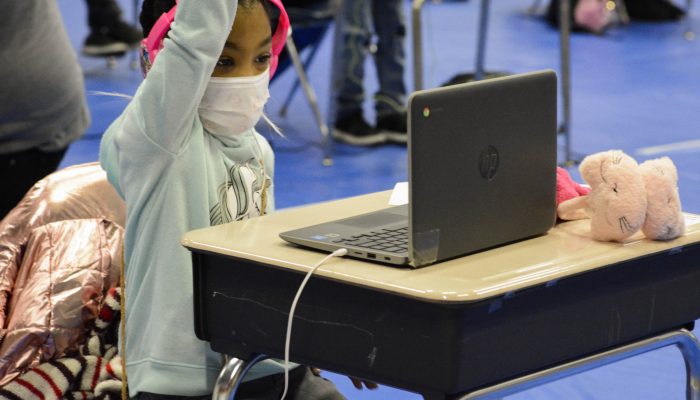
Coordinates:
350	125
390	58
109	34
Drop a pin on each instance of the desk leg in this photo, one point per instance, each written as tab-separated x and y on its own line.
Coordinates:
231	376
690	348
686	342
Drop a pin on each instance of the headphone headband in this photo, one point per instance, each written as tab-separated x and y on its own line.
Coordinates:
153	43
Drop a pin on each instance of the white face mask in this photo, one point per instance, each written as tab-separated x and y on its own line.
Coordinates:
232	106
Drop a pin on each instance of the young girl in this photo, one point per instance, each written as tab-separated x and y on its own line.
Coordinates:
184	155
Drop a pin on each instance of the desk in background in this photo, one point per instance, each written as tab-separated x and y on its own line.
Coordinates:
450	329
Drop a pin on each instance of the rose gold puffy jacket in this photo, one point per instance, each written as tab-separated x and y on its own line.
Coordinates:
60	250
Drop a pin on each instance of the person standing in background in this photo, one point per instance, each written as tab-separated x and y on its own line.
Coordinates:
109	34
42	106
389	28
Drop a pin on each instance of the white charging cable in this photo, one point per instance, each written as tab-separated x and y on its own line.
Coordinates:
337	253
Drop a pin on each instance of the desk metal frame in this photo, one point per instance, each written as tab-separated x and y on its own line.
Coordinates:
689	346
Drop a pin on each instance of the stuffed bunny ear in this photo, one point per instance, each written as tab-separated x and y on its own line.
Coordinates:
662	166
664	219
590	168
593	167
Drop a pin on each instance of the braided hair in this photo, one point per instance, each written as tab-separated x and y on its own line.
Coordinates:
151	10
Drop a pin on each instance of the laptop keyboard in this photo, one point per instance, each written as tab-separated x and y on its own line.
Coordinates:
390	240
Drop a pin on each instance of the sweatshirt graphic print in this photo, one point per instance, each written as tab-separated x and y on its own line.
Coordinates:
243	195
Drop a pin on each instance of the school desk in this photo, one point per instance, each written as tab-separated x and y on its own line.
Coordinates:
481	326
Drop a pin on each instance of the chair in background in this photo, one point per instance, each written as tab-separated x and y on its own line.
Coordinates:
479	72
62	243
565	54
310	21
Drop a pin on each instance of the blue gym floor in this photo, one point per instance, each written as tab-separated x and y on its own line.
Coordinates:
635	89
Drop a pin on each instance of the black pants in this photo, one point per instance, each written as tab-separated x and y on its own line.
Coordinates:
19	172
102	13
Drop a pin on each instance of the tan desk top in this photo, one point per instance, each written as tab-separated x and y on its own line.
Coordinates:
565	251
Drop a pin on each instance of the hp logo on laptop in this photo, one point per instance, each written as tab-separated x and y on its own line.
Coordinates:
488	162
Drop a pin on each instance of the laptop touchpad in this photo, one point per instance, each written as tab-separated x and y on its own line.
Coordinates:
374	220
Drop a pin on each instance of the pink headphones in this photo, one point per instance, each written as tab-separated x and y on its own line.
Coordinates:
151	45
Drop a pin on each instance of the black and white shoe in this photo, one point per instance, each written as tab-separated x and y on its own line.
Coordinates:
115	39
99	45
356	131
394	126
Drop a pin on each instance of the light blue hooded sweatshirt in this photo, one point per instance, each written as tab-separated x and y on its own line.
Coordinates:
176	177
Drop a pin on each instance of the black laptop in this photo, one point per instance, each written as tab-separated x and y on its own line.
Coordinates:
482	160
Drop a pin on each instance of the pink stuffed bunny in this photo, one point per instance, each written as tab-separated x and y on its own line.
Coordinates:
664	219
626	197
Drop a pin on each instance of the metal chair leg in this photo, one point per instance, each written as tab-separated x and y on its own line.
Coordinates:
689	34
481	40
231	376
565	59
622	13
134	62
416	8
311	98
295	86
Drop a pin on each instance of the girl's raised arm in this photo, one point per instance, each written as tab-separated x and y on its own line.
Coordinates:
165	106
